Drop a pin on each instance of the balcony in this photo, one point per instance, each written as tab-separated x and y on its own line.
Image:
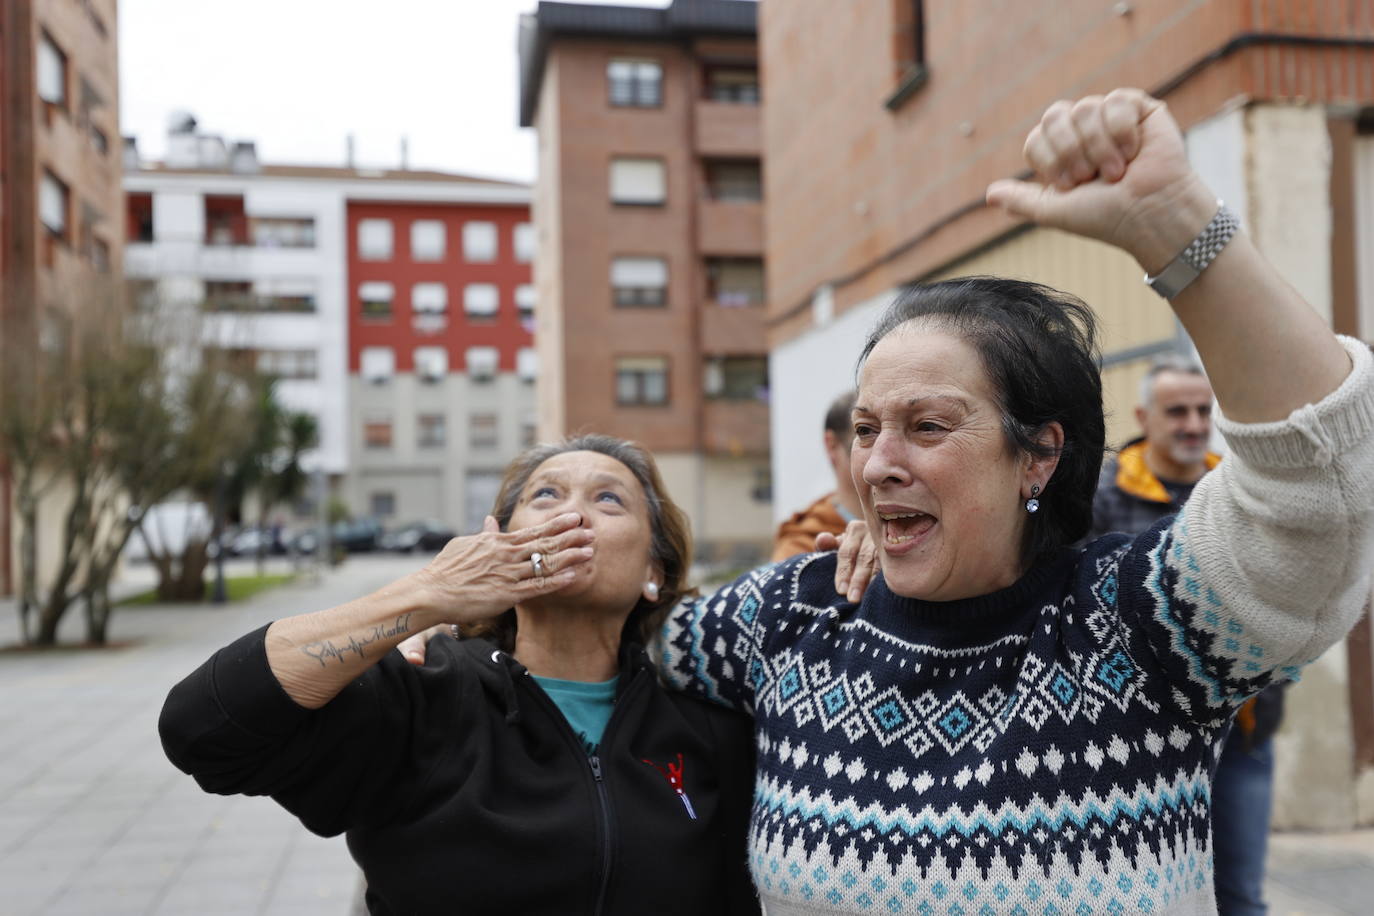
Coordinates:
736	428
730	227
728	129
731	330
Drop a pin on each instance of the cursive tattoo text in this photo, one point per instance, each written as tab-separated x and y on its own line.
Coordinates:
325	649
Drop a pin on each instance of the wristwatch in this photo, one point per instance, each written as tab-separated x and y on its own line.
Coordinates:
1201	251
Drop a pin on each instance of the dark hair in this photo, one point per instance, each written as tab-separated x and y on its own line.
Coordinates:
670	547
1039	348
839	416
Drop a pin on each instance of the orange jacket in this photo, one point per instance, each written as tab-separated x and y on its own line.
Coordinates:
798	533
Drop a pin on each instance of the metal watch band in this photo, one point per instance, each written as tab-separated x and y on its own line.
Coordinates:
1200	252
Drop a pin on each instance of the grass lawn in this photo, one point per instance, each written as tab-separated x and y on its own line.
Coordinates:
237	588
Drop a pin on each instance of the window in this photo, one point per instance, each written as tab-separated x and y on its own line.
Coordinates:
99	142
527	364
735	281
428	239
737	378
377	430
431	364
524	242
481	300
225	221
382	504
641	380
479	495
909	47
739	85
429	298
638	182
635	83
374	239
377	298
734	180
283	232
52	72
479	242
288	364
228	295
529	430
482	363
482	430
433	430
284	294
140	213
378	364
524	300
54	204
639	282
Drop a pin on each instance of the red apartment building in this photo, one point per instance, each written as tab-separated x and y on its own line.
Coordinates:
440	355
60	194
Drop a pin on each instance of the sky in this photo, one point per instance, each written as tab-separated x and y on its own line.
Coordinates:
298	76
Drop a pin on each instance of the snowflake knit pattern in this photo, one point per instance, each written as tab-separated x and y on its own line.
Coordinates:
1045	749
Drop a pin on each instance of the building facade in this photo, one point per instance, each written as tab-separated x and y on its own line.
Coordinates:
60	197
317	272
877	166
648	208
441	357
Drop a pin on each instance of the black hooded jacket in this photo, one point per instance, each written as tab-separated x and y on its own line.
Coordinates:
464	790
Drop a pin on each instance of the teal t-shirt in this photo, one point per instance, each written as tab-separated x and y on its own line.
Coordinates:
586	706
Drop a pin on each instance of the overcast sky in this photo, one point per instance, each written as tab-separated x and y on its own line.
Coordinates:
298	76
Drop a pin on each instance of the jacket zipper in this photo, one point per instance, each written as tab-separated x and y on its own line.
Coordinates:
598	779
607	843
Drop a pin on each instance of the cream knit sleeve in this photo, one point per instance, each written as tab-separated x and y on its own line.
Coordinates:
1269	563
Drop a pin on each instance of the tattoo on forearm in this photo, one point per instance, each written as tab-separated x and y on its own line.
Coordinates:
325	649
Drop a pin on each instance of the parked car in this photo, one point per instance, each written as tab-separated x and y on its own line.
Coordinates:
426	535
247	542
358	535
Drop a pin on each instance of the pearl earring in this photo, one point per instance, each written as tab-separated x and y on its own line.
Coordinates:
1033	504
652	589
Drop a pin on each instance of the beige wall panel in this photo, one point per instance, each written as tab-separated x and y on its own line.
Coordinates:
1104	277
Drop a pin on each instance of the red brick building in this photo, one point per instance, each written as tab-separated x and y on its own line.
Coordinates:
651	275
886	121
60	196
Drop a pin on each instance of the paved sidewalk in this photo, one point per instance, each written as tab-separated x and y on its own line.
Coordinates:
94	820
1321	874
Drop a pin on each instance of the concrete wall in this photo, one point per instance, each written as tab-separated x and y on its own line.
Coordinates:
432	482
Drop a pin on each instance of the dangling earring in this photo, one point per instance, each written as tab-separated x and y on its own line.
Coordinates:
1033	504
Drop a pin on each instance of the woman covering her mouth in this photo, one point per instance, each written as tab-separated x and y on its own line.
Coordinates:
1005	724
539	769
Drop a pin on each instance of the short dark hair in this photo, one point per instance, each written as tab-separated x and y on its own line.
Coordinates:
670	547
1039	348
839	417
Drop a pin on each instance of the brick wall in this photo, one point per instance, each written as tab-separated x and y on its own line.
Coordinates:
864	197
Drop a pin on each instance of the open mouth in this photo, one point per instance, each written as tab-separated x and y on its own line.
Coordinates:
905	527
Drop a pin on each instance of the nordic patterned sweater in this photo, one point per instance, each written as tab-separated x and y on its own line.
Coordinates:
1045	749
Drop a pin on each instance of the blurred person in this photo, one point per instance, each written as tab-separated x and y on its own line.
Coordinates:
836	509
1006	722
542	757
1151	478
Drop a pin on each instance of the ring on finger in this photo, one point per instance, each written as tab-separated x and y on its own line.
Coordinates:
537	561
